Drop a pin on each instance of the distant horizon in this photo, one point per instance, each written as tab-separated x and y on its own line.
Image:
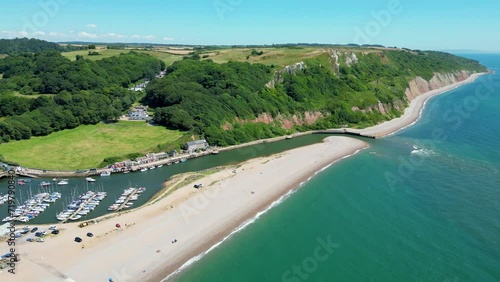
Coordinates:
423	25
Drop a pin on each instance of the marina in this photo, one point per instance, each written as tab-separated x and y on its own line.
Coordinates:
85	204
33	207
152	179
127	198
4	199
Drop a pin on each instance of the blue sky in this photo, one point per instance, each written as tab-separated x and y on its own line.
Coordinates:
416	24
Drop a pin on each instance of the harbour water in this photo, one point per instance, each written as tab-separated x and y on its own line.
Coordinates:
421	205
151	179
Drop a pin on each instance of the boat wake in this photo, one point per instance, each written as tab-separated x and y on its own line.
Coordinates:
423	152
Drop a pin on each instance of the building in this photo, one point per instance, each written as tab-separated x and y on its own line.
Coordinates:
134	115
139	113
196	145
140	86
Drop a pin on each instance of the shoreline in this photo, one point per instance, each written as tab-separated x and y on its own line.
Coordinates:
141	249
410	117
414	111
148	225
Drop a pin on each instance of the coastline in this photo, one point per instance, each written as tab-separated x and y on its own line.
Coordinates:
190	215
141	250
413	112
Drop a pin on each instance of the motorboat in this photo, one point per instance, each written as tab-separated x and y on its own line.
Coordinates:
90	179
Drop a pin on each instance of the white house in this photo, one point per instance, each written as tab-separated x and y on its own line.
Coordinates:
196	145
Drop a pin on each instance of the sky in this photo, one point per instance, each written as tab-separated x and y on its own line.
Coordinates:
415	24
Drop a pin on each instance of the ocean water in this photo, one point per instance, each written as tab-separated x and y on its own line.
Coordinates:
420	205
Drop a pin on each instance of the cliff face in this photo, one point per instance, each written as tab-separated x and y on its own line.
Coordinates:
419	85
287	122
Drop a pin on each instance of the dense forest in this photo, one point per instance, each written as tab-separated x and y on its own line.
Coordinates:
68	93
212	99
32	45
48	72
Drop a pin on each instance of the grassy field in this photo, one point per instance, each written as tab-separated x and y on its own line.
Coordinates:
280	57
106	53
272	56
34	96
87	146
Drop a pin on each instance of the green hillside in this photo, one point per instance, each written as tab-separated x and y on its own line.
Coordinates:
215	99
227	95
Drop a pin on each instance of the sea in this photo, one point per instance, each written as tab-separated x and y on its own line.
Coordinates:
420	205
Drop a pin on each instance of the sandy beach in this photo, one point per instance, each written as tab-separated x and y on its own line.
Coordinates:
142	249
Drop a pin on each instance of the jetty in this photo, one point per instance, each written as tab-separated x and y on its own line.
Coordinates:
127	200
39	201
80	208
345	132
129	195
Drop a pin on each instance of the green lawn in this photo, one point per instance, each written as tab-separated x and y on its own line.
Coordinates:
87	146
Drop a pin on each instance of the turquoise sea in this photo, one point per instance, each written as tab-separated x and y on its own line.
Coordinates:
420	205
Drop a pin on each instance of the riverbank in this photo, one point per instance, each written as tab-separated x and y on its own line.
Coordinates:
142	249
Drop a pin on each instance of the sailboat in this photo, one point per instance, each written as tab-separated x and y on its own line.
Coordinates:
63	182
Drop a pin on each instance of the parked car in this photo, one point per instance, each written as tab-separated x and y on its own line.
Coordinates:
30	239
40	240
90	234
52	227
34	229
78	239
39	234
55	232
